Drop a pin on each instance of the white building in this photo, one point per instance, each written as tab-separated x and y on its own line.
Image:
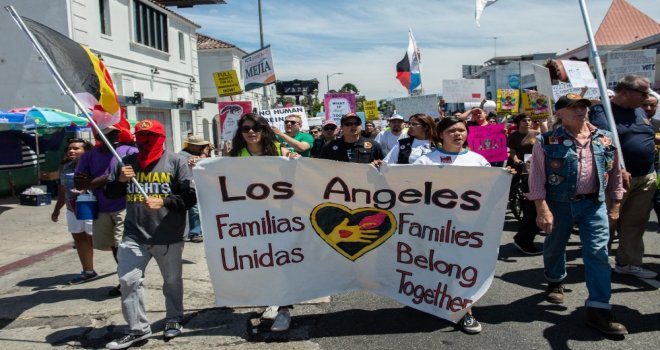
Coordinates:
150	51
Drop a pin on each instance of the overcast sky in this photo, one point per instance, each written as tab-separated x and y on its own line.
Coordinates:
364	39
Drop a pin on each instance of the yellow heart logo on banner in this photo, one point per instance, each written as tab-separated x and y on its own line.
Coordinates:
352	232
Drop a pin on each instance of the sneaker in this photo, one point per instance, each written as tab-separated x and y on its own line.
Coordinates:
529	249
636	271
172	329
127	340
115	291
84	277
282	321
196	239
555	293
270	313
470	325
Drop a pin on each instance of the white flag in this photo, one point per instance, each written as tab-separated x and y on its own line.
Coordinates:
479	8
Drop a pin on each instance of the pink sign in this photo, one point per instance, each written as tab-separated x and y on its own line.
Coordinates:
230	113
489	141
337	105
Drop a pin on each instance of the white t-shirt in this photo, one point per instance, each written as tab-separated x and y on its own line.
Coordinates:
388	141
462	158
419	148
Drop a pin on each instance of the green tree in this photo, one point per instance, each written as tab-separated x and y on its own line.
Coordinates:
348	87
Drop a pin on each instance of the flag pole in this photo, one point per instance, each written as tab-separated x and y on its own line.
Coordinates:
600	77
66	90
419	61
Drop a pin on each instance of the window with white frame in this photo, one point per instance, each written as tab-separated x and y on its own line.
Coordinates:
182	47
150	26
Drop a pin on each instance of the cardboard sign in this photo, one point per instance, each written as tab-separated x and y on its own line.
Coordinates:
407	106
489	141
370	110
562	89
230	113
277	116
280	231
507	101
622	63
227	83
258	69
338	104
579	74
463	90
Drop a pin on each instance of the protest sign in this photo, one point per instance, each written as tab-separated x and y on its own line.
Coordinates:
542	80
407	106
230	114
277	116
463	90
507	101
227	83
338	104
489	141
370	110
562	89
280	231
579	74
622	63
535	105
258	70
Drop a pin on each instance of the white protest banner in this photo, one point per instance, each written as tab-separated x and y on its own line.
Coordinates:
622	63
579	74
338	104
407	106
277	116
230	114
280	231
463	90
258	70
562	89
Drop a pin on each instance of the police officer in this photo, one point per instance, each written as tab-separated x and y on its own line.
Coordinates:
351	146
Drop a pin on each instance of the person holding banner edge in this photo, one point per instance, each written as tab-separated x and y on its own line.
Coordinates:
254	137
573	170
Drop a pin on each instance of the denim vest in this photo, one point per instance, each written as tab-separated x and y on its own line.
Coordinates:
561	163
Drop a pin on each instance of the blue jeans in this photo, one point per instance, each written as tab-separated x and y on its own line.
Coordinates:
194	223
591	218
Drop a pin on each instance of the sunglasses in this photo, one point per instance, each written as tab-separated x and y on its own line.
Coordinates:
416	124
247	128
329	128
643	92
351	124
290	122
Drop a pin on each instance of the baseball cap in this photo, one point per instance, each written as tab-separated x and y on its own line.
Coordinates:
396	117
349	115
151	126
197	140
329	122
569	100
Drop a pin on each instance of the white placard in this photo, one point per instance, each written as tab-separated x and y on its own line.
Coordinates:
277	116
463	90
622	63
407	106
579	74
562	89
280	231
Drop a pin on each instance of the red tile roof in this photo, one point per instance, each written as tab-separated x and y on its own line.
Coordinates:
624	24
206	43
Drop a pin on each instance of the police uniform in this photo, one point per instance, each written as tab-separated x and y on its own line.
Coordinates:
363	150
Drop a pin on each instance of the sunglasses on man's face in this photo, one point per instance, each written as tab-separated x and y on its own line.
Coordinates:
247	128
329	128
290	122
351	124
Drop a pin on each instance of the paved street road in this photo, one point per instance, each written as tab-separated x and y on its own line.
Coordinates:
39	311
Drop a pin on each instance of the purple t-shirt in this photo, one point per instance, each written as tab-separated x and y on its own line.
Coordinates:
99	163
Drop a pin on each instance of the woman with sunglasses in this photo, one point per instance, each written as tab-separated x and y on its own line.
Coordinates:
422	139
81	230
255	137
